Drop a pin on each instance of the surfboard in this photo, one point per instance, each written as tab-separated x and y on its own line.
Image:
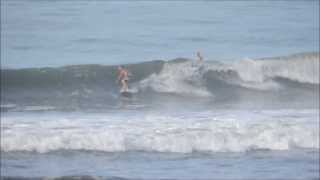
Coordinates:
126	94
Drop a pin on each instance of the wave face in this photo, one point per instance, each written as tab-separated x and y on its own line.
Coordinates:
281	78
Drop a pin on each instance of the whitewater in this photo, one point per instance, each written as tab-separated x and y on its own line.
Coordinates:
250	110
207	131
286	80
181	109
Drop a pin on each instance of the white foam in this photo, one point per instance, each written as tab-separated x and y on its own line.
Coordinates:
188	77
301	69
203	132
38	108
181	78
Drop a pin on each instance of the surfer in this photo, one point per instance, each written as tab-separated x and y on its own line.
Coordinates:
123	77
200	58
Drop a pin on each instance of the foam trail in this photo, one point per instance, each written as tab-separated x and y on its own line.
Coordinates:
180	78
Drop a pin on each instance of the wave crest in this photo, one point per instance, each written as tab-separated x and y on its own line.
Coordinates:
163	134
293	76
193	78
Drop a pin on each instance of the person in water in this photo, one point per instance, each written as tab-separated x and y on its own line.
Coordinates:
200	58
123	77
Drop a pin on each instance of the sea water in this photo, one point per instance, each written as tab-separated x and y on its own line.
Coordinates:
55	33
237	115
214	144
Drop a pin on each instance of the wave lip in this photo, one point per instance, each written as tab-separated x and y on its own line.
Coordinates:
303	68
217	79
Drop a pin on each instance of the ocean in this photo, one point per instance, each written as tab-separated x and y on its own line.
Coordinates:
250	110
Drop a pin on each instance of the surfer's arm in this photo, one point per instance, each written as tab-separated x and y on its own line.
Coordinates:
119	77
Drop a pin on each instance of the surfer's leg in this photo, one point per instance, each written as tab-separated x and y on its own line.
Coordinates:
126	85
123	85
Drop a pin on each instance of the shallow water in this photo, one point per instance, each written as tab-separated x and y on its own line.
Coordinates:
214	144
299	164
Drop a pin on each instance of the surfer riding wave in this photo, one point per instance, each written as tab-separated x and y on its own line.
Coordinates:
123	77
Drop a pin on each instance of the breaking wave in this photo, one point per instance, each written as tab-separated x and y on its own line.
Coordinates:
159	133
297	73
